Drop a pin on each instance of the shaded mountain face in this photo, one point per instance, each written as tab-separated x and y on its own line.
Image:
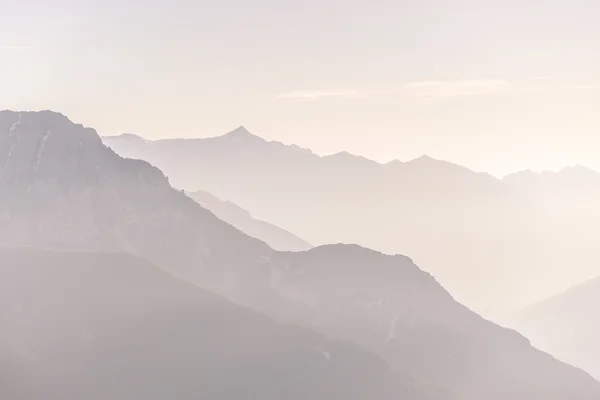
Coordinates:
388	305
274	236
384	303
567	326
492	247
113	326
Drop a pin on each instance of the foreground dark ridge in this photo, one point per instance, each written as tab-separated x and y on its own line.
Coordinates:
112	326
76	194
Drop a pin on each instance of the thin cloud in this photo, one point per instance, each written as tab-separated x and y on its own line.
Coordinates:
318	95
13	47
585	87
458	88
552	87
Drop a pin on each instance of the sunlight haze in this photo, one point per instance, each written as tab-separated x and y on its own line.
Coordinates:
299	200
497	86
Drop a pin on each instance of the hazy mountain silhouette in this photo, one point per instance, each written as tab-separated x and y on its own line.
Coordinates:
567	326
113	326
571	194
274	236
76	194
493	247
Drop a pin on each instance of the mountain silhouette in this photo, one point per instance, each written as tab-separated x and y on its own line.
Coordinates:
482	238
76	194
572	194
274	236
566	325
113	326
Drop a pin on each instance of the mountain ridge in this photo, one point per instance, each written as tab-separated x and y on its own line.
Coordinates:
276	237
243	132
389	207
421	158
384	303
85	321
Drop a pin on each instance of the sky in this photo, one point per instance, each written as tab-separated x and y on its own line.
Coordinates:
494	85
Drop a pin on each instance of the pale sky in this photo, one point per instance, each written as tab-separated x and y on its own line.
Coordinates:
496	85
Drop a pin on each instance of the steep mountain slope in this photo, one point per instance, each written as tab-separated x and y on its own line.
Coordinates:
567	326
274	236
84	196
112	326
491	242
21	377
416	325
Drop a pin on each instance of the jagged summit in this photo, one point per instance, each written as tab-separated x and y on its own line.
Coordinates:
240	131
570	176
48	116
46	146
238	137
242	135
576	169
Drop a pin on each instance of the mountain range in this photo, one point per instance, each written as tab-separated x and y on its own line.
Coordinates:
571	192
489	241
61	189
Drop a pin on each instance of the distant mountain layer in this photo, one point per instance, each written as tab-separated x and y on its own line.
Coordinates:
567	326
277	238
572	193
488	241
60	188
112	326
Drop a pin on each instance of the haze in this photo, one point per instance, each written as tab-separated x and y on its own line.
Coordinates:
324	200
497	86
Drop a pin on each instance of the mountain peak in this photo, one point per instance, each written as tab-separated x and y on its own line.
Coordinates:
425	159
43	117
430	162
47	146
241	130
577	169
394	162
129	137
240	134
